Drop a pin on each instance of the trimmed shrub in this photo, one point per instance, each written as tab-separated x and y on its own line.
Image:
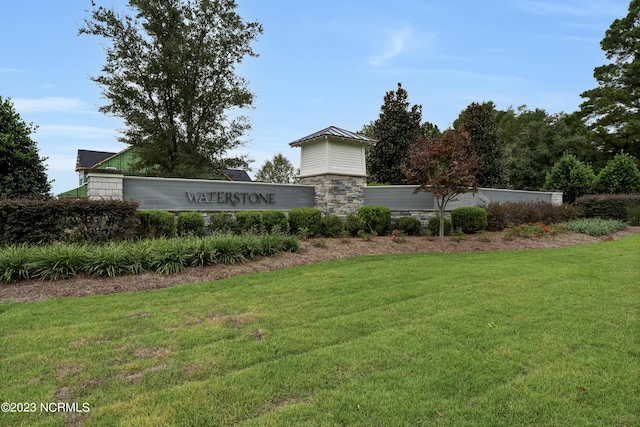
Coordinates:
408	225
377	219
607	206
190	224
155	224
434	226
571	176
353	224
620	175
275	221
633	215
500	215
331	226
249	222
308	219
222	222
469	219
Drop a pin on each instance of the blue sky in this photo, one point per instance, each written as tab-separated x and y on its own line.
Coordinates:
321	63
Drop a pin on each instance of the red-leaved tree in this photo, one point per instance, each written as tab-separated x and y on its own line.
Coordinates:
443	167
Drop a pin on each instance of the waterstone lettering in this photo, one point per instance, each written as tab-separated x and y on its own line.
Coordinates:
229	198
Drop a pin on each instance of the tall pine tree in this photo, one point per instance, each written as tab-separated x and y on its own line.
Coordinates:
478	120
612	110
396	129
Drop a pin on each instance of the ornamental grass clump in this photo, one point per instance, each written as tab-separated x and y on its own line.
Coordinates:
15	263
170	255
229	249
164	256
108	260
595	226
59	261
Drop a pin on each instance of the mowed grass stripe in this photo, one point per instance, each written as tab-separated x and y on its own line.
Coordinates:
495	338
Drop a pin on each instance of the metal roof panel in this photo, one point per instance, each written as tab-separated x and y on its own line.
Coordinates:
333	131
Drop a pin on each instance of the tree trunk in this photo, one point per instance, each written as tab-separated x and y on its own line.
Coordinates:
441	206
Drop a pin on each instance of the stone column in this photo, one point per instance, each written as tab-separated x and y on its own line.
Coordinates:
337	194
105	185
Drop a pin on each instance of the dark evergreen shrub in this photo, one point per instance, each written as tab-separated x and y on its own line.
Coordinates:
331	226
307	219
275	221
377	219
469	219
434	226
222	222
353	224
249	222
408	225
607	206
500	215
155	224
190	224
78	220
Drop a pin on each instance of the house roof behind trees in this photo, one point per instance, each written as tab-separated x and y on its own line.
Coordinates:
88	159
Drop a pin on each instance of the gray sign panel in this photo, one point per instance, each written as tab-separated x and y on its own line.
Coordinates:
207	195
398	197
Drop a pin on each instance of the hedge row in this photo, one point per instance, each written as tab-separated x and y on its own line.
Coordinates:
608	206
36	221
501	215
305	222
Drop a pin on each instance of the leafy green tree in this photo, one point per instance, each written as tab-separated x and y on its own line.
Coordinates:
535	140
478	120
611	109
396	129
443	167
278	170
22	170
620	175
570	175
170	74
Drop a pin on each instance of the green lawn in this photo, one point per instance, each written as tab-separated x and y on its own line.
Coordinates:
526	338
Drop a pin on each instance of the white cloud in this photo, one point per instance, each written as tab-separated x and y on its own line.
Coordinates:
77	132
48	104
60	163
396	45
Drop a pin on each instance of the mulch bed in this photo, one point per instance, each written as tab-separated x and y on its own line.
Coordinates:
311	251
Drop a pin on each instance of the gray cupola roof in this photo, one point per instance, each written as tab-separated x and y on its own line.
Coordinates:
335	132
